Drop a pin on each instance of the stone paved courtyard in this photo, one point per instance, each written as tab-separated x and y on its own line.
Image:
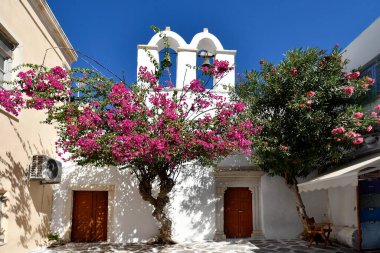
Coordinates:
238	246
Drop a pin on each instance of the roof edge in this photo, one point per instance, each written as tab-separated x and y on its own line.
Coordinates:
55	30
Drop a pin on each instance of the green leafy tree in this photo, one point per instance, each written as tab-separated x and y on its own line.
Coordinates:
308	110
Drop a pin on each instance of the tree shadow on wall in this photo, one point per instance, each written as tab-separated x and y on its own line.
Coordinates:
25	198
195	201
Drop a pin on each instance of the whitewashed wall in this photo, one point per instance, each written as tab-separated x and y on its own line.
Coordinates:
342	203
279	215
317	205
192	208
364	48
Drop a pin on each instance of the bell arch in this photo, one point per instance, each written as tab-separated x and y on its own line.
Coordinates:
206	41
174	39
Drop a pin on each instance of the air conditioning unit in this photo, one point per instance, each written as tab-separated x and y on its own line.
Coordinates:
45	169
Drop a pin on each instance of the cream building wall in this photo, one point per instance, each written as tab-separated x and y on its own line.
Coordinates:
26	213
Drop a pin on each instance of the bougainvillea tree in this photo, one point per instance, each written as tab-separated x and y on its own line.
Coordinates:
309	112
149	128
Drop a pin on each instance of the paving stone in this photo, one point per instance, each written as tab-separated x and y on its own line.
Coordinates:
229	246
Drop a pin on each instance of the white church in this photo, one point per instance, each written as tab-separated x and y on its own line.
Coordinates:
232	200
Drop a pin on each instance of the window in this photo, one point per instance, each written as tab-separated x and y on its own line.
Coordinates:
2	67
7	45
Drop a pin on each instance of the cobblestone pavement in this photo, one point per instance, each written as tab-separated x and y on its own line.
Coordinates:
233	246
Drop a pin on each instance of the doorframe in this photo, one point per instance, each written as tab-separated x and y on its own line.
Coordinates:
70	204
249	177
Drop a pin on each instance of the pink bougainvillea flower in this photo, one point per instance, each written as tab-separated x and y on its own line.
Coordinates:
95	103
146	76
221	68
377	107
11	100
196	86
282	147
309	102
157	88
369	129
239	106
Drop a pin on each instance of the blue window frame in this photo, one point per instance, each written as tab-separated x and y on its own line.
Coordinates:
372	71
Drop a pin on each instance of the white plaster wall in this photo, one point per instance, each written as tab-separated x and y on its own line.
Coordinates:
192	208
365	47
193	205
342	202
143	59
317	205
316	202
186	74
279	215
229	79
235	161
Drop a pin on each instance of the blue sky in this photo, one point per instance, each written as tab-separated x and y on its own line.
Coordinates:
110	30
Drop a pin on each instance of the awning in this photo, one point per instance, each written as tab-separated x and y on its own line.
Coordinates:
348	175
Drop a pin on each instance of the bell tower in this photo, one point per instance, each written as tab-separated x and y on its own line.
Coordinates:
203	44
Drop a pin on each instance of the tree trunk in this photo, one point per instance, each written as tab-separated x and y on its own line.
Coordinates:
159	203
292	184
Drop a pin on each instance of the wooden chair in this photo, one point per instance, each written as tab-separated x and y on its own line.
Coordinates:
321	230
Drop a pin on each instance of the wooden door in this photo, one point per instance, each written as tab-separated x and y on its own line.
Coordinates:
89	216
238	212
